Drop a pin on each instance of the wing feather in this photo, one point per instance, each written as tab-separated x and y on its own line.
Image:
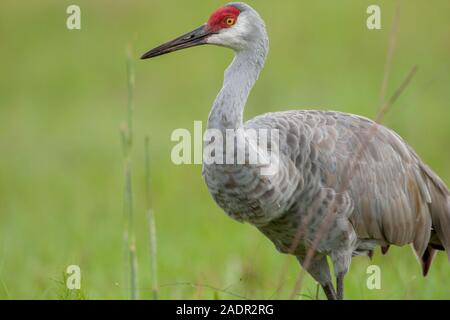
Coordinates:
397	198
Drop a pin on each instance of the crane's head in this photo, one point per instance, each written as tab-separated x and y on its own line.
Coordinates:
236	26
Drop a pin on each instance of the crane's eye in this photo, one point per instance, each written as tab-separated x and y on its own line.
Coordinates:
230	21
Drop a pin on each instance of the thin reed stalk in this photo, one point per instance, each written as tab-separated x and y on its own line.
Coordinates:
151	223
127	144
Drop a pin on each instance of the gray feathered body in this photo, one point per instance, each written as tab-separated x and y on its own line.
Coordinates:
377	189
380	190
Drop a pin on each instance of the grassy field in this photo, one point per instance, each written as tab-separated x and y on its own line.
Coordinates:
63	97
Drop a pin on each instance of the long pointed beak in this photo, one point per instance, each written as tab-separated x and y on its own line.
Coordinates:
194	38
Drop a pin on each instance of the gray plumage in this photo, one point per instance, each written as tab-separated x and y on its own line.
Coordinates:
389	197
373	185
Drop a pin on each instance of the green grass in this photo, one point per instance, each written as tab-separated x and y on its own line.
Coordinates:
63	96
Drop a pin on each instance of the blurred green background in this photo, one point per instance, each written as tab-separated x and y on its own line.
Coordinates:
63	97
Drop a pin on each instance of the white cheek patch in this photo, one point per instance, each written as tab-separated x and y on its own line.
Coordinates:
234	37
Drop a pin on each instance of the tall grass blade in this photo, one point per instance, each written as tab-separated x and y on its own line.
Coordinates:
127	144
151	222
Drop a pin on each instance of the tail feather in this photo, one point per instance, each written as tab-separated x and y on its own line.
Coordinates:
440	215
427	259
435	204
435	243
439	207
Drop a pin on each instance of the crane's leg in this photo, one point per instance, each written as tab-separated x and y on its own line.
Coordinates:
329	291
341	262
319	270
340	286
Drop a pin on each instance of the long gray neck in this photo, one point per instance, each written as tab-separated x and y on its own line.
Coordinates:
240	77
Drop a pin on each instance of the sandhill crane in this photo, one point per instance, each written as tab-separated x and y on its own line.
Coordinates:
391	197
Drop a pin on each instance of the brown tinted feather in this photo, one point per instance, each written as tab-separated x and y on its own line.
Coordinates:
398	199
385	249
427	259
